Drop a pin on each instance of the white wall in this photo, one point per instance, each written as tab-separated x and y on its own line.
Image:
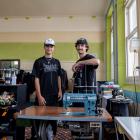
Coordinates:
42	24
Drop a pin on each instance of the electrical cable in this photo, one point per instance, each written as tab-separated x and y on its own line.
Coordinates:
133	97
136	95
135	90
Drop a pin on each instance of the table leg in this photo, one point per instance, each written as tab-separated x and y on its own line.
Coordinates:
116	129
101	132
20	133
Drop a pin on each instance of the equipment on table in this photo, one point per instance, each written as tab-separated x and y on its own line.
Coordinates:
83	96
117	93
117	105
110	86
89	101
116	90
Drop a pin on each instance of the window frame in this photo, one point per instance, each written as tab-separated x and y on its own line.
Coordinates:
112	49
128	35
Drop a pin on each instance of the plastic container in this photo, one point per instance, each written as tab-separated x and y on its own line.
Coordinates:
14	79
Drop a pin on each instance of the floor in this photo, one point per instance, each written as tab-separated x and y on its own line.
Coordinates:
65	134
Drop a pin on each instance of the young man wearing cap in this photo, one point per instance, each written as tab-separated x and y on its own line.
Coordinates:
84	72
47	72
84	68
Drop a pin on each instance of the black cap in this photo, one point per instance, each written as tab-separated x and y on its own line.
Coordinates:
81	41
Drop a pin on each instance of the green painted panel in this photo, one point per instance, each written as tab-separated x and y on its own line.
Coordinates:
97	49
65	51
121	42
120	39
31	51
23	51
108	48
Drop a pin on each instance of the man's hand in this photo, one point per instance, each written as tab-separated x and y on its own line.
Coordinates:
59	95
75	66
41	101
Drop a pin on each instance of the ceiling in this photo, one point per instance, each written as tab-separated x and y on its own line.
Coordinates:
37	8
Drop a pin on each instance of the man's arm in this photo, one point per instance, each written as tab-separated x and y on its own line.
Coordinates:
41	99
92	61
59	88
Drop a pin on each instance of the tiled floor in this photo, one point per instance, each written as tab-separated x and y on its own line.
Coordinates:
62	134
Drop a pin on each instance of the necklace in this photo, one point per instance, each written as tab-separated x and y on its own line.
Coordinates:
48	60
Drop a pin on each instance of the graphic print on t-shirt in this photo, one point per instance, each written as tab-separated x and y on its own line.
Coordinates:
50	68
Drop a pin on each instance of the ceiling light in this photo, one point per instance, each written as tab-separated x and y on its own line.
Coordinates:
70	17
6	18
27	18
49	17
93	17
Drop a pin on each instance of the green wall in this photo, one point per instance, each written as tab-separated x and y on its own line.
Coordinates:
121	42
31	51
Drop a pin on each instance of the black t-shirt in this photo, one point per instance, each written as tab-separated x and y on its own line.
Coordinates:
47	70
84	76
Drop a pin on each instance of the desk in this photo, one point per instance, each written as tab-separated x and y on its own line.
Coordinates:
130	127
57	113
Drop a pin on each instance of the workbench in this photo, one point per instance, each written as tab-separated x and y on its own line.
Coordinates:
59	113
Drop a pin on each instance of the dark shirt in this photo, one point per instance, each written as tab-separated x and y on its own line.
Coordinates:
64	80
47	70
84	76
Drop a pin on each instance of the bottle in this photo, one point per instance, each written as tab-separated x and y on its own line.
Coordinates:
14	79
7	76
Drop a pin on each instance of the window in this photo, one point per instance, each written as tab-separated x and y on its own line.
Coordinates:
131	31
